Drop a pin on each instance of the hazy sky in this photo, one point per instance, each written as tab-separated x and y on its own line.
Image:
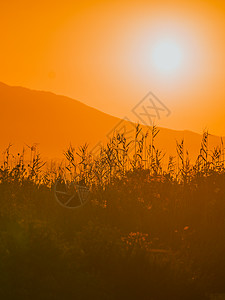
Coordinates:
110	54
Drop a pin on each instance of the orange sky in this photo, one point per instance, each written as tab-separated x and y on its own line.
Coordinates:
99	52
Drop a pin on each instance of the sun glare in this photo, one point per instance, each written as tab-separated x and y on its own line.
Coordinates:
167	56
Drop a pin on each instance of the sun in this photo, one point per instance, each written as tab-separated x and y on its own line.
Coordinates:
167	56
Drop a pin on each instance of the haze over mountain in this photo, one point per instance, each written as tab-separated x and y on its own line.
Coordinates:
53	122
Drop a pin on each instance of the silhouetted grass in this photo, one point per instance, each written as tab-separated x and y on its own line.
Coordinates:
151	230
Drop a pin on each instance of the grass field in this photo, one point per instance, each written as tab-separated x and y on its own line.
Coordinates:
152	229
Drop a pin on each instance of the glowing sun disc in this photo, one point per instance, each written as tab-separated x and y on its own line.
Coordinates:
167	56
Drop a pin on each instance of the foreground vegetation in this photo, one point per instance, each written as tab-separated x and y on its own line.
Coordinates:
153	229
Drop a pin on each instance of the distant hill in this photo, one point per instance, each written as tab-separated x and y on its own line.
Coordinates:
54	121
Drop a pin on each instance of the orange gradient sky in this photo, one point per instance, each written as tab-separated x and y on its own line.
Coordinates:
101	53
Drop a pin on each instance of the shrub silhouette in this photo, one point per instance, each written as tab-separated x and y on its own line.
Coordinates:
153	229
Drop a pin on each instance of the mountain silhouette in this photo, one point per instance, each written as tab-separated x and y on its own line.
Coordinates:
53	122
